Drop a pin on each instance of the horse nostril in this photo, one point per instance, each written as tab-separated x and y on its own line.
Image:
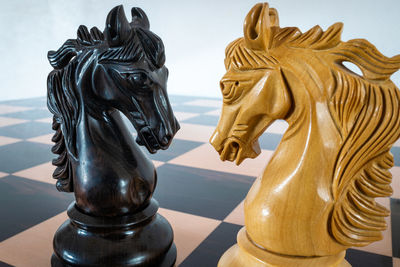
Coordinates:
235	145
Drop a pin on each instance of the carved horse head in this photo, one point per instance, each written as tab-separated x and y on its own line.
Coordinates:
137	88
122	68
254	91
99	73
281	73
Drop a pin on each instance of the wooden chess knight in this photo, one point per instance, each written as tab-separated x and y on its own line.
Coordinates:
316	197
114	220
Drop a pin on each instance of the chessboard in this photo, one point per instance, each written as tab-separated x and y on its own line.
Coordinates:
200	196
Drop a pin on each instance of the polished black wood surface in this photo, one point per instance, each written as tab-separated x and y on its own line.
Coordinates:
112	241
98	78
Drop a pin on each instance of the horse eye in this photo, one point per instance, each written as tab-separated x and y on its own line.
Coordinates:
141	79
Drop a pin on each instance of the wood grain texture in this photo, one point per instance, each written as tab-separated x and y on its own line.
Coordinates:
317	194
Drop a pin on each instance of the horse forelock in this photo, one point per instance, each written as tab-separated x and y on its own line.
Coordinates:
142	44
238	56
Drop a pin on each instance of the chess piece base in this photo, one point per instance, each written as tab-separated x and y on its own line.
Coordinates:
246	253
144	238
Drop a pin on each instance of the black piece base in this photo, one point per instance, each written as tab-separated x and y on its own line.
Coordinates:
141	239
169	260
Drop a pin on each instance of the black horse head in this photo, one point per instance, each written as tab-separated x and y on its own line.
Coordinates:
121	68
98	73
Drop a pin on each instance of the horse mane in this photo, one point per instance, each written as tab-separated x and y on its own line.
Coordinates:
142	44
365	110
63	103
65	108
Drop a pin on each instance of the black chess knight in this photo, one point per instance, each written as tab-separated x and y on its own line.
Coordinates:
96	77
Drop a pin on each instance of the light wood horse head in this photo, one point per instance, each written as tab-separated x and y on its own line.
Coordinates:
281	73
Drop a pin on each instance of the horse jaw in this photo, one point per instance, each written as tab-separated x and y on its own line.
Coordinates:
145	136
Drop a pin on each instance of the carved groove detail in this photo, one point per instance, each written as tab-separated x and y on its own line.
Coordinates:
368	118
63	171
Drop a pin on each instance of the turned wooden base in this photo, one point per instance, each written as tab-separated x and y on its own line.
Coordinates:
141	239
246	253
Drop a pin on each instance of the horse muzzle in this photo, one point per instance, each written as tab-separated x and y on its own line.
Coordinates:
155	140
168	132
145	137
233	149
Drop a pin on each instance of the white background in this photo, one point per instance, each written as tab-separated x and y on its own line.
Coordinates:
195	34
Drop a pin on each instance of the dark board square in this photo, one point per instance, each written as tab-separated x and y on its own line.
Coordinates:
358	258
395	217
203	120
3	264
26	130
23	155
29	102
201	192
211	249
25	203
30	114
177	148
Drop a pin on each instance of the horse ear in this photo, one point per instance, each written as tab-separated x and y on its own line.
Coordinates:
117	27
257	26
139	18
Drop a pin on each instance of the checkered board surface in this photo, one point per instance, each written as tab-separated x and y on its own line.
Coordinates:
200	196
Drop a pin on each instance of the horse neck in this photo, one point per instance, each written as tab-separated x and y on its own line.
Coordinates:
106	132
307	152
101	132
